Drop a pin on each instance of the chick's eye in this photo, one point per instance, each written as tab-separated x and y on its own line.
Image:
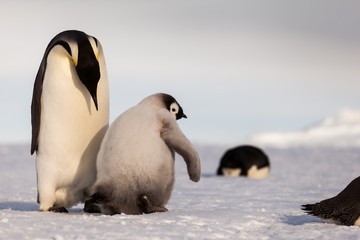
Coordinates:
173	109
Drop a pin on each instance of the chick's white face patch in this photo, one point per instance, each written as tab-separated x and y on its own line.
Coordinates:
174	109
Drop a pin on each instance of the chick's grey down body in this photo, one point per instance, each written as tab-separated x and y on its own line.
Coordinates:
136	161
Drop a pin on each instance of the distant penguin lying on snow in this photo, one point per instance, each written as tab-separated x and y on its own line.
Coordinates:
246	161
69	116
343	209
136	160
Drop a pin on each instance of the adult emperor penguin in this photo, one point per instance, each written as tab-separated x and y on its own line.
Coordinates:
69	116
343	209
136	160
245	160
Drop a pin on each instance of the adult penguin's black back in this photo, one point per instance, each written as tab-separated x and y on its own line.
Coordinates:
343	209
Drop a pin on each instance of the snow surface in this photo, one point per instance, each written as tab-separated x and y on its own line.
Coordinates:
214	208
340	130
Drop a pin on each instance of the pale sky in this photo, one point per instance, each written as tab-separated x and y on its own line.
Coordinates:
236	67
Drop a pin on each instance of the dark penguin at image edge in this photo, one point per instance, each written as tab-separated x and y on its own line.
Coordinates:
246	160
343	209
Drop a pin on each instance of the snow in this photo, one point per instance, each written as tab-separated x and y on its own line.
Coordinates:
340	130
214	208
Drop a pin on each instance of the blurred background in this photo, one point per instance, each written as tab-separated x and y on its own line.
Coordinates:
236	67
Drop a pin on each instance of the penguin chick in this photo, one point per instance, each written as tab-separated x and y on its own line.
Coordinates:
136	159
69	116
244	160
343	209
